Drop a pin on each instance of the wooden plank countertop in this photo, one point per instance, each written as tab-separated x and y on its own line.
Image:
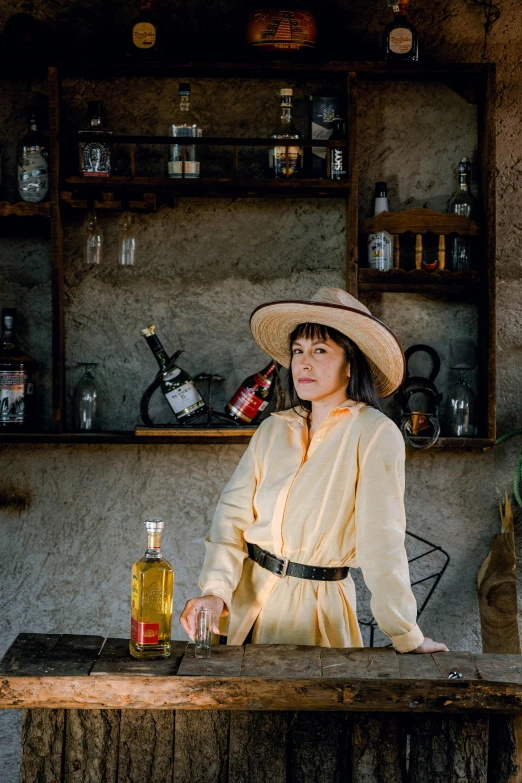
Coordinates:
87	672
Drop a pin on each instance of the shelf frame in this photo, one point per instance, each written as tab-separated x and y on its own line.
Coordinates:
353	74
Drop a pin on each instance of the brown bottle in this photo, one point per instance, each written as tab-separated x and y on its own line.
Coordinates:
17	372
253	395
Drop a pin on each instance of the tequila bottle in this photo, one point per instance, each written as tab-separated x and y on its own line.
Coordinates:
33	176
17	374
95	154
152	593
380	245
185	124
463	203
286	161
400	40
143	35
178	387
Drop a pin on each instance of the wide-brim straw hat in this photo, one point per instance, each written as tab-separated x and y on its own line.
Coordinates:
273	323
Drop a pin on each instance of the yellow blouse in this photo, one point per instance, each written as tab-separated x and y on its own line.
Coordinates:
338	501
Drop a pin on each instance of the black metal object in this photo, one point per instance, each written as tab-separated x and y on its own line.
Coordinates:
437	576
415	420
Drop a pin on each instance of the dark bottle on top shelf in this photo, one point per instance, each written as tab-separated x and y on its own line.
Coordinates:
178	387
400	41
17	376
143	35
253	395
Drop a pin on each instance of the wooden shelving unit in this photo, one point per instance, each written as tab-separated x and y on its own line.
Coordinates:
72	192
25	209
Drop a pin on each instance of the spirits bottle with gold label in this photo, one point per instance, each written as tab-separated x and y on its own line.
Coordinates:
400	40
142	43
287	161
151	599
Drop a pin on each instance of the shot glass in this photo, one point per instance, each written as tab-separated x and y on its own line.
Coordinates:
203	637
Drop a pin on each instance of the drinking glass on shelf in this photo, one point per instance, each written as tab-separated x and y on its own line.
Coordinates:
462	400
203	638
127	243
93	246
85	401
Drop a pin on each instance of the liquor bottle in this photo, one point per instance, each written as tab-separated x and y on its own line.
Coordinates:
400	40
33	176
338	155
286	161
95	154
463	203
17	376
151	599
142	42
281	29
185	124
380	245
253	395
178	387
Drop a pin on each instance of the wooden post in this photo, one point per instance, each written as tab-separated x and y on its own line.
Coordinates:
418	251
441	256
449	748
396	251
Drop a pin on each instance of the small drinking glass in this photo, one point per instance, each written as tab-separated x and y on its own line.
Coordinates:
127	243
85	402
203	638
93	246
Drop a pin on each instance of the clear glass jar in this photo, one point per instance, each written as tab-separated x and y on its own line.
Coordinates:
93	244
86	402
127	243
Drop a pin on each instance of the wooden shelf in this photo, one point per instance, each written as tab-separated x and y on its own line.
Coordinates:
420	221
461	444
159	436
419	281
25	209
208	187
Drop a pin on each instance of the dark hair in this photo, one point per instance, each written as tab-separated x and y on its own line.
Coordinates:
361	386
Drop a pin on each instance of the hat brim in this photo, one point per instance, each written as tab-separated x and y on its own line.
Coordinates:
273	323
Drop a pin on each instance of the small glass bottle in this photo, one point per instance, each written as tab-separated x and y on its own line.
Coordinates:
127	243
400	41
338	155
463	203
143	39
86	402
185	124
33	175
380	245
93	244
253	395
178	387
152	594
95	154
286	162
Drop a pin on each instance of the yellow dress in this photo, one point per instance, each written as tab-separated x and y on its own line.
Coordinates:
338	501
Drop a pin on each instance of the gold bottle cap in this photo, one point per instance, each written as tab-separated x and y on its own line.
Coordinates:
149	331
287	91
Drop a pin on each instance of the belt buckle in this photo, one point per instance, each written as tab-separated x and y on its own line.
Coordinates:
285	566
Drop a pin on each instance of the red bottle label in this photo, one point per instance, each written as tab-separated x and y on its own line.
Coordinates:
144	633
246	405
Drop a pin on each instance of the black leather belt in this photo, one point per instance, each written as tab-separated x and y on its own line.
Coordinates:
281	566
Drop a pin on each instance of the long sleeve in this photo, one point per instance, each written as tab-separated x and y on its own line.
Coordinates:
380	531
225	548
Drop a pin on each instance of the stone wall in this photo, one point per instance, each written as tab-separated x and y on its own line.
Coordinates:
67	546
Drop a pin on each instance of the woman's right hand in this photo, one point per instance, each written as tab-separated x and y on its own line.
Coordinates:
188	616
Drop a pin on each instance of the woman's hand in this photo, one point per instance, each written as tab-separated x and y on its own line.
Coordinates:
188	616
429	646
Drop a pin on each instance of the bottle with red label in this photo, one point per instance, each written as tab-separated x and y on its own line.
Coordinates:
253	395
17	377
152	594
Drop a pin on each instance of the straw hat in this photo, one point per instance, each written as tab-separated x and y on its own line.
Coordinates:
272	324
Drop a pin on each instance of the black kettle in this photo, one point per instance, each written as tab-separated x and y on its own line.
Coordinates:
423	419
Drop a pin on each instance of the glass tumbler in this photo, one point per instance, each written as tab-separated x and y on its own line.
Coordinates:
462	407
93	246
127	243
85	402
203	639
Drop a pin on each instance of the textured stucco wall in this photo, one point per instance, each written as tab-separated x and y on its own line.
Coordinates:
203	266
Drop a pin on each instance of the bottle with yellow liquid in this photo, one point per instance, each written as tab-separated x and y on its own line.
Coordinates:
151	599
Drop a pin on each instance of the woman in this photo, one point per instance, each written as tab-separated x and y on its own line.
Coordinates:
318	491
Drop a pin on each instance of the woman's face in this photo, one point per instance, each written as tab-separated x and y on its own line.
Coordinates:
320	370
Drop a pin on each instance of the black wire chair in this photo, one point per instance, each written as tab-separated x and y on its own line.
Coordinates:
437	576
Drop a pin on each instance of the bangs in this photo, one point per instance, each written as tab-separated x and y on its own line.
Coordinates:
310	331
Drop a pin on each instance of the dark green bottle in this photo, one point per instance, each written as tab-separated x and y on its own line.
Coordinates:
178	387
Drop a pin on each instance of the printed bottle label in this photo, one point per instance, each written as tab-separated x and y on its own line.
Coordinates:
143	35
33	179
246	405
380	247
12	397
175	168
401	40
294	161
144	633
184	397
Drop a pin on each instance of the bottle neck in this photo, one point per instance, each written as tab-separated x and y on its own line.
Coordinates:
184	103
153	545
95	122
266	376
381	205
7	339
286	118
146	5
158	350
464	179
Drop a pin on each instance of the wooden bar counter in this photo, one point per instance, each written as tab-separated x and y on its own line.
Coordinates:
268	713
